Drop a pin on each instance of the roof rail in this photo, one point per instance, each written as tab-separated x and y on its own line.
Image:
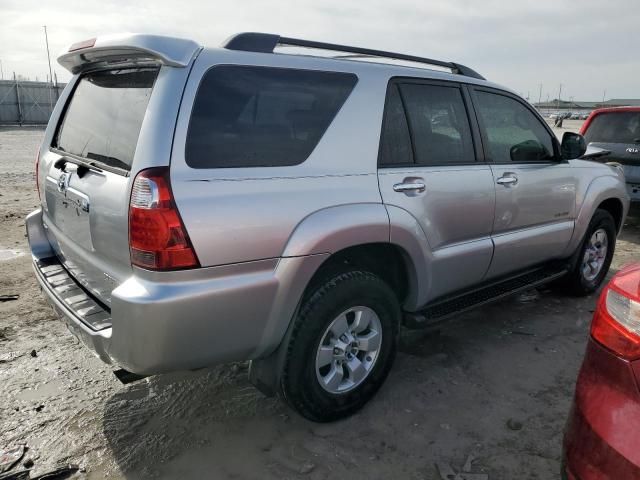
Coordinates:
267	42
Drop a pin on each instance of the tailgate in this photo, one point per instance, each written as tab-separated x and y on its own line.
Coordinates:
86	175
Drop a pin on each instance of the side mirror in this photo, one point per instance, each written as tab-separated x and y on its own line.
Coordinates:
573	146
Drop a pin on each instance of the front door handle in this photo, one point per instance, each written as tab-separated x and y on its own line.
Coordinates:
508	179
409	187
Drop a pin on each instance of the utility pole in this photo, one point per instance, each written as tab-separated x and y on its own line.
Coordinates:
604	93
540	94
559	95
46	38
548	104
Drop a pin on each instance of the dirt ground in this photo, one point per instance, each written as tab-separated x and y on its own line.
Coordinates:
495	384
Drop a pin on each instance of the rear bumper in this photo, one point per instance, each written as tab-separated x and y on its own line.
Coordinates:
184	320
71	303
602	432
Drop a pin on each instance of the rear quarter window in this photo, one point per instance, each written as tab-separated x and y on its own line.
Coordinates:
247	116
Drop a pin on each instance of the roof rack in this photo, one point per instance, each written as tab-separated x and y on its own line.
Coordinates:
267	42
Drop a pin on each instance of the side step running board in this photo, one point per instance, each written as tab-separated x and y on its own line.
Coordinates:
458	303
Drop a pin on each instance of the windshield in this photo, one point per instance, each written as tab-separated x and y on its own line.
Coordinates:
614	127
104	116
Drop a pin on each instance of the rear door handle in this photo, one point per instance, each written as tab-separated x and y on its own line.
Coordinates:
409	187
507	180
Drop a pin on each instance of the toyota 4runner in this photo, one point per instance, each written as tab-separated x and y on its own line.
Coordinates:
294	203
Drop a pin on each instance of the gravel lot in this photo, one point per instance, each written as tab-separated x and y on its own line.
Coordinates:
495	384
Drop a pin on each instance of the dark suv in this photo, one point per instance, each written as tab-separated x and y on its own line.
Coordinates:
617	131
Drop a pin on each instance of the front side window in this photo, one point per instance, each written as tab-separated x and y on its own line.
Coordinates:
247	116
513	132
439	124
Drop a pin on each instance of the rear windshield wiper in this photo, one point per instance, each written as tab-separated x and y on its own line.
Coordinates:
106	160
69	158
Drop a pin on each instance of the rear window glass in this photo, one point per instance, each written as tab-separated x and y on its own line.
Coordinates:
103	119
261	116
614	127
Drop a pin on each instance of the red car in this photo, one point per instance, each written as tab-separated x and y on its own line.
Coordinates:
602	439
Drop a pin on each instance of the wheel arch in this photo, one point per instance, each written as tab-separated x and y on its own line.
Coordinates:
388	261
358	229
607	192
616	208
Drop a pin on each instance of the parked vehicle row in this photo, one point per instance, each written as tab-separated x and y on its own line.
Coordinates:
206	205
569	115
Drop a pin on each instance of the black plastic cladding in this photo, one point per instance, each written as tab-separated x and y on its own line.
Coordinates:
267	42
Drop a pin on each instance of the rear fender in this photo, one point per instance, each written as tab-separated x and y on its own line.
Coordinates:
336	228
406	232
312	242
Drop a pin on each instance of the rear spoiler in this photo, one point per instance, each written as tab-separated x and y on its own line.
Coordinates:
128	48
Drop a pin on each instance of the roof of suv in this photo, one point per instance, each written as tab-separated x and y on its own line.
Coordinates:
266	43
178	52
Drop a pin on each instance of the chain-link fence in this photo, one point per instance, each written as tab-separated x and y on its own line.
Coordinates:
27	103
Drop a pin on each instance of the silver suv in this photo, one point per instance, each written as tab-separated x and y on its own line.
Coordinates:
208	205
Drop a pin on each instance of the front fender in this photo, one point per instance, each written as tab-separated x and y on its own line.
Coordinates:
600	189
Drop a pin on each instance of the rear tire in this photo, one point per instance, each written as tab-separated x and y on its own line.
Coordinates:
342	346
593	258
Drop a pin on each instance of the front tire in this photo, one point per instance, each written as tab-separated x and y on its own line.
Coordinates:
342	346
594	257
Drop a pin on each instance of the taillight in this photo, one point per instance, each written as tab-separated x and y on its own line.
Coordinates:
37	172
616	322
157	237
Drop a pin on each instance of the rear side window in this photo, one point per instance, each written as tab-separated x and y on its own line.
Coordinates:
439	124
514	134
262	117
614	127
104	116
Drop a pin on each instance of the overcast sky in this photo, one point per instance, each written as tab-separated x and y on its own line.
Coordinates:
588	45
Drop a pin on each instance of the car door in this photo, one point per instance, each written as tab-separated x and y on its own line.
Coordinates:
535	189
429	166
